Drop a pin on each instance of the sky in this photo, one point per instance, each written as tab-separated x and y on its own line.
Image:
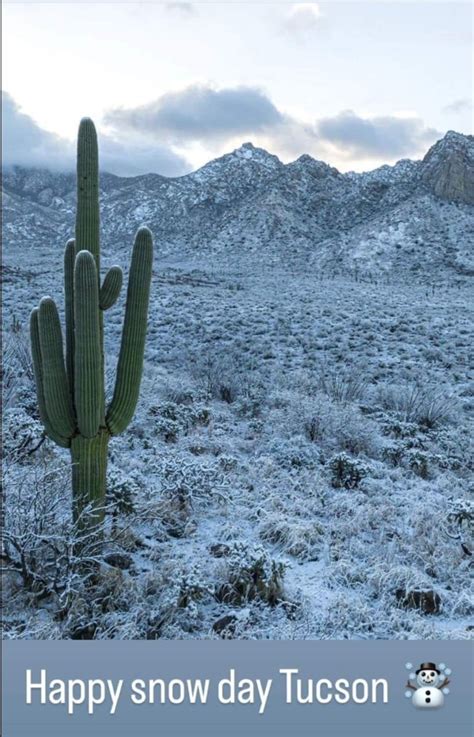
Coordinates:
172	85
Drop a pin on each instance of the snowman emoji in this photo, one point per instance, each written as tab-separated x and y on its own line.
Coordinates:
430	689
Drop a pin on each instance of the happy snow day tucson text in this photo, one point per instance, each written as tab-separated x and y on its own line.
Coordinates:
89	694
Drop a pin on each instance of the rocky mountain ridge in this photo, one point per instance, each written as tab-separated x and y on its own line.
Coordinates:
248	207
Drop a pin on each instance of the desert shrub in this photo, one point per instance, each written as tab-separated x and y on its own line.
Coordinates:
53	564
456	444
251	574
344	617
393	454
101	605
462	512
460	519
172	420
250	405
193	479
168	429
184	484
301	538
26	398
122	493
338	427
343	385
220	376
180	392
463	606
419	463
192	587
110	590
411	454
22	434
17	367
40	542
398	428
425	406
228	462
295	453
390	577
178	595
346	472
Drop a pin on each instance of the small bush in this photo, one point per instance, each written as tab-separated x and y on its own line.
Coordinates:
186	483
17	370
251	574
418	462
398	428
296	453
220	376
22	435
300	538
338	427
172	420
343	386
425	406
461	515
122	492
346	472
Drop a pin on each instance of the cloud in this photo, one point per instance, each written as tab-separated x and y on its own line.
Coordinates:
199	113
303	17
129	158
380	136
463	105
203	115
25	143
205	122
181	8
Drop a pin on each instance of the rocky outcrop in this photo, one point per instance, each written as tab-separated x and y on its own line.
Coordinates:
448	168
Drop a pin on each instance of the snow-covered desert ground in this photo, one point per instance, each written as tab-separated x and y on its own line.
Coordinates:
300	464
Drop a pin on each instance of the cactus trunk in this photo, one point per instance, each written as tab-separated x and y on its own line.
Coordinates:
89	470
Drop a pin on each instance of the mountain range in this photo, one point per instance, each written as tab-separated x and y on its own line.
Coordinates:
247	208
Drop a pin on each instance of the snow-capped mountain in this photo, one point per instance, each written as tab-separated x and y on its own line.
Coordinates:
416	216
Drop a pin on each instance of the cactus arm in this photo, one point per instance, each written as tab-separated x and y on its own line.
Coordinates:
110	289
69	259
54	380
87	216
38	372
87	358
130	363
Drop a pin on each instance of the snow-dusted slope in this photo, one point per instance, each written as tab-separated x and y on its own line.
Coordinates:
246	206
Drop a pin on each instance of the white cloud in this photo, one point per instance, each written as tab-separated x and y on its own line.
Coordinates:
215	118
25	143
184	9
387	136
462	105
204	122
303	17
198	113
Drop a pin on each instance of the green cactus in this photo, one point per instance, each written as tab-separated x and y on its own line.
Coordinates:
70	389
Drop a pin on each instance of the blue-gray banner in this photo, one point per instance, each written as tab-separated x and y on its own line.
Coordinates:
93	689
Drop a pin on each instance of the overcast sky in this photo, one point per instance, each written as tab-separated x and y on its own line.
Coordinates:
172	85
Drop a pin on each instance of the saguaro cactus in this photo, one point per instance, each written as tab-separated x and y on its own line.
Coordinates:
70	390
